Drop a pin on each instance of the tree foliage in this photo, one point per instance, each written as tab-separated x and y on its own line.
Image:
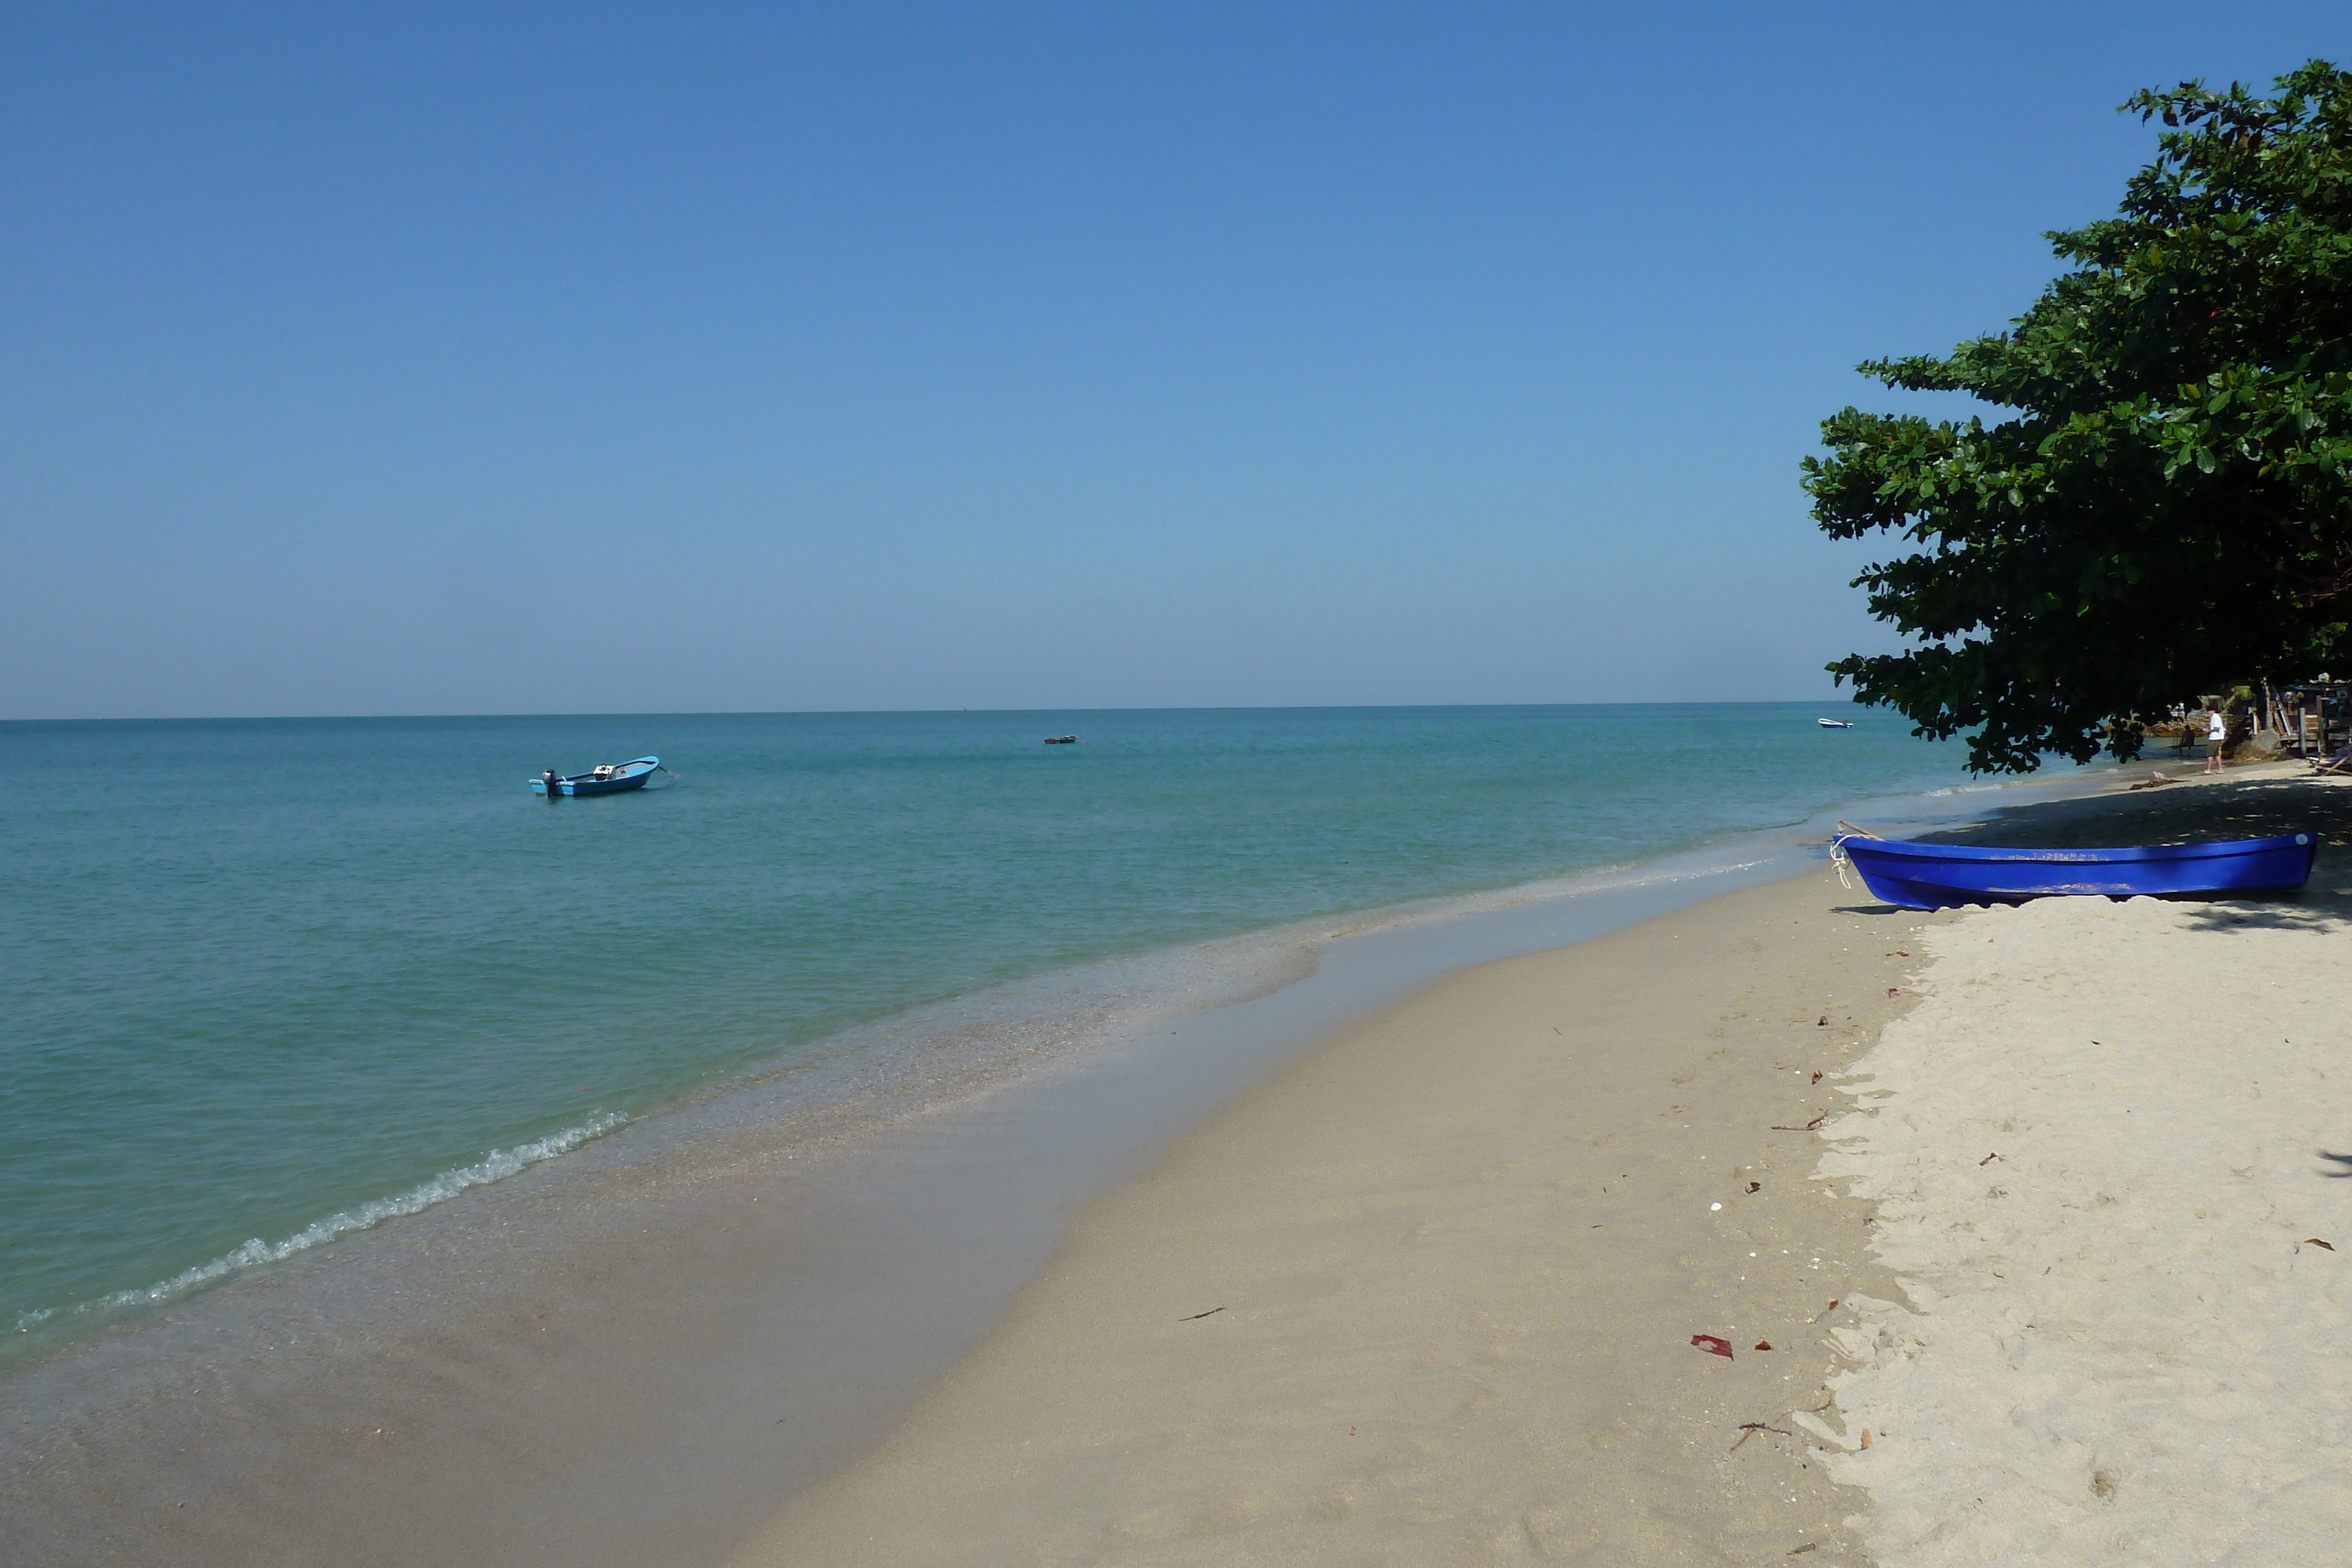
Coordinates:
2171	504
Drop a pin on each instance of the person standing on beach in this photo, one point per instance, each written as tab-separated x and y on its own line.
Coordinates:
2216	733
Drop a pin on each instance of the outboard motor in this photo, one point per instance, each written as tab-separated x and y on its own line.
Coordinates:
549	778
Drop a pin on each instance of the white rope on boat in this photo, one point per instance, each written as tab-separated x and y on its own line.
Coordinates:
1838	857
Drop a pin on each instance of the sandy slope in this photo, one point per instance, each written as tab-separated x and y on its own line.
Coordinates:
2106	1151
1429	1297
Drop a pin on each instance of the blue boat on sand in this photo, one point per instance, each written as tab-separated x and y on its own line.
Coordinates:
1942	876
607	779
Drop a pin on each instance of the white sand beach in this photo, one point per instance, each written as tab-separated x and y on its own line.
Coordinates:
2106	1153
1431	1296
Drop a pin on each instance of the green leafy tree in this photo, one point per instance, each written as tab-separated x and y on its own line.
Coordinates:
2169	506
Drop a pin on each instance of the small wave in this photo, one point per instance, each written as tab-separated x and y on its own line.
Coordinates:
496	1165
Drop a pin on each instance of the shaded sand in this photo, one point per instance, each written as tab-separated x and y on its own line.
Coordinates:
2106	1151
1428	1296
2246	802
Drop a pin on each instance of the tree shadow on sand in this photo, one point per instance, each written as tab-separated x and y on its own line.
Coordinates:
2187	813
2320	912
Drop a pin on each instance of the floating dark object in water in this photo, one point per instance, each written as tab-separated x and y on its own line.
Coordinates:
1940	876
607	779
1061	740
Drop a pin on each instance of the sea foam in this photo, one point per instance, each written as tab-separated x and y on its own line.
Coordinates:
496	1165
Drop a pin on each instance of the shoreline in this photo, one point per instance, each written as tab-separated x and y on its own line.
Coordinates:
1430	1294
366	1431
933	1056
819	874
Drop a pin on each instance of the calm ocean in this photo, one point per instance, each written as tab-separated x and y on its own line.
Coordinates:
272	981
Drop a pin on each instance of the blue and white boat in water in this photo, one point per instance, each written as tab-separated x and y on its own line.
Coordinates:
605	778
1942	876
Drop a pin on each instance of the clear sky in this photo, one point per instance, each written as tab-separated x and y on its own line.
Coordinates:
507	358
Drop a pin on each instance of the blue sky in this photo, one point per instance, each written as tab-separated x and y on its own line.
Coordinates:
535	359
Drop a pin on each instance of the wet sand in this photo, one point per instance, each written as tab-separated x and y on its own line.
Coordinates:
632	1354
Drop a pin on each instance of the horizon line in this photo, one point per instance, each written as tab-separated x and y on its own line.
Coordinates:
914	712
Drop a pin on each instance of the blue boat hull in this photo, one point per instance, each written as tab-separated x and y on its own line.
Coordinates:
633	776
1940	876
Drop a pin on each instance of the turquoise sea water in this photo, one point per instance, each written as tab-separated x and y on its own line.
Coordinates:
270	981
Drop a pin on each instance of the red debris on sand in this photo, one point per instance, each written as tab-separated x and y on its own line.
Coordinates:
1763	1344
1712	1345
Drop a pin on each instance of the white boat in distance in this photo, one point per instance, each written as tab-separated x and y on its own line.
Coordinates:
1834	723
